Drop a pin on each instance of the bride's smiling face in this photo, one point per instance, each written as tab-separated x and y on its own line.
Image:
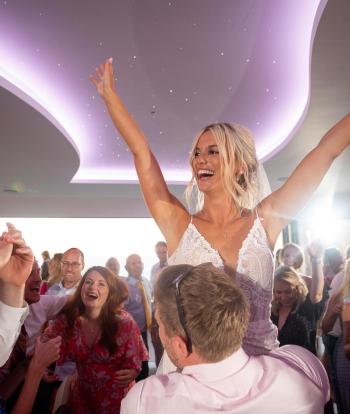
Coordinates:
206	162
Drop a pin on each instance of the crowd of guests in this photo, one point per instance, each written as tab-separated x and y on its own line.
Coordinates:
80	345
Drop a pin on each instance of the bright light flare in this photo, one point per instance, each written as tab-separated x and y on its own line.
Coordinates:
323	224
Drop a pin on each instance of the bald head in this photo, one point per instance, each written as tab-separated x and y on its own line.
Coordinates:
134	265
76	252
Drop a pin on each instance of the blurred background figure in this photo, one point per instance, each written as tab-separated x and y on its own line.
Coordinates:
278	262
45	265
161	250
139	302
333	262
338	310
55	273
113	265
289	296
292	256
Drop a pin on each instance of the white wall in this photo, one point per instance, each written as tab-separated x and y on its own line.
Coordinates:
97	238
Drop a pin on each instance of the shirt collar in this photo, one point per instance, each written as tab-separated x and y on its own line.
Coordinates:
134	280
217	370
67	289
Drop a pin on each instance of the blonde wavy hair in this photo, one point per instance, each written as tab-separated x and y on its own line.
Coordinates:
237	153
55	272
289	275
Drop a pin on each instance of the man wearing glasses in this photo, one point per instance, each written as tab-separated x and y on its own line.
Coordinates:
202	316
72	265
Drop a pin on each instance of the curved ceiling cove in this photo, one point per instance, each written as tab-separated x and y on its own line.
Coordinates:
180	65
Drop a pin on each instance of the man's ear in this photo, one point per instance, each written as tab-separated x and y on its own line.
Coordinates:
180	346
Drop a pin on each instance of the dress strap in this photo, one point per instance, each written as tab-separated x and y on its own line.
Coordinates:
257	213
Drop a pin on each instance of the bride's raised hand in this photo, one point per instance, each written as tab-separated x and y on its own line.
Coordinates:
103	79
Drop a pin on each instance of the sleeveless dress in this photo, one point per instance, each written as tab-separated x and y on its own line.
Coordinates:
254	274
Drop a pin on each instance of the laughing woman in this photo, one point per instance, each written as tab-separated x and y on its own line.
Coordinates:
102	339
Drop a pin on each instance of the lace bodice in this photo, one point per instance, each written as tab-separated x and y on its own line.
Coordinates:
254	274
255	259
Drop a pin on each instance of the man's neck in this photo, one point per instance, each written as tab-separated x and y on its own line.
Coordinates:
192	359
71	284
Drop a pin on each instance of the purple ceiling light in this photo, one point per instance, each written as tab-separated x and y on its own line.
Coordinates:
180	65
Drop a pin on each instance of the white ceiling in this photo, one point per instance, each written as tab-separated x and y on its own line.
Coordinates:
37	165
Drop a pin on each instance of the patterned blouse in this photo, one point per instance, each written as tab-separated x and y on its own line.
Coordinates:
96	390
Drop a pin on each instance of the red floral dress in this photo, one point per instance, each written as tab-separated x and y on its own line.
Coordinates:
96	390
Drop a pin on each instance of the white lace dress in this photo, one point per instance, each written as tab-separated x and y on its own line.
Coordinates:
254	274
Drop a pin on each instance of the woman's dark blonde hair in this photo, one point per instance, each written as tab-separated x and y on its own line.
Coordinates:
238	161
288	275
216	310
109	321
55	270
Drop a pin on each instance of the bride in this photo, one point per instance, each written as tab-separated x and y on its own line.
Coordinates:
231	227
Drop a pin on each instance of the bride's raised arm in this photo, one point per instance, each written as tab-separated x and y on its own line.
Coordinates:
283	204
167	211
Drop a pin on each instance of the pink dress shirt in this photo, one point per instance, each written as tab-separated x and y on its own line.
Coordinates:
288	380
39	314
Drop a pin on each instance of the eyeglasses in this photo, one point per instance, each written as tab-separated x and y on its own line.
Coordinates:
180	308
72	264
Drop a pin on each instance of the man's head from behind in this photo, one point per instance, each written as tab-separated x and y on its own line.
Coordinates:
72	265
199	307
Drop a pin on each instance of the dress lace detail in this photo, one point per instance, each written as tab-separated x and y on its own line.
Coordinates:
254	274
194	249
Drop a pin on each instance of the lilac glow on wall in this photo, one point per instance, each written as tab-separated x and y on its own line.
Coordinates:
180	66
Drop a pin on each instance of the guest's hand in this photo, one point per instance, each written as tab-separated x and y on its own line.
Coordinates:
315	250
16	258
125	376
45	354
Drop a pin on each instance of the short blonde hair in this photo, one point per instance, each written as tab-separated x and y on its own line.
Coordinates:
237	152
216	310
289	275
